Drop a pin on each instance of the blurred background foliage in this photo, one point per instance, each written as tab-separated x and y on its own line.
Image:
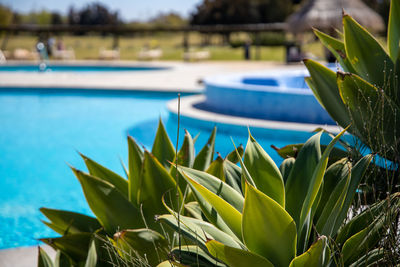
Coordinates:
208	12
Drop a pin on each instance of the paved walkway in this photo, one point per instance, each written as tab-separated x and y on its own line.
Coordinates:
179	77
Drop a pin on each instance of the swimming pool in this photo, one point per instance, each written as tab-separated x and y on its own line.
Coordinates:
42	130
76	68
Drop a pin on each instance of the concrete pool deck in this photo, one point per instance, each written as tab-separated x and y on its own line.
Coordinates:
180	76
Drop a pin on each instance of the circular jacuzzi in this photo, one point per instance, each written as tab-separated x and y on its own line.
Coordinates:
276	95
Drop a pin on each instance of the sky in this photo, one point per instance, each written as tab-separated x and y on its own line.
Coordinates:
128	9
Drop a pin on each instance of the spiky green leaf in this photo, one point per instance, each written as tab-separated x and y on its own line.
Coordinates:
233	156
265	173
198	231
62	260
286	168
367	55
375	115
195	256
96	169
357	173
186	153
337	48
71	222
216	168
194	209
316	180
145	242
299	180
206	154
334	205
74	245
317	255
91	260
366	218
154	183
111	208
163	149
135	161
229	214
333	175
43	259
393	34
268	230
233	175
325	87
216	186
235	257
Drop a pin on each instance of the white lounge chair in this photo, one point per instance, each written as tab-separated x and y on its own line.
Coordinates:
2	58
151	54
25	54
67	54
196	55
109	54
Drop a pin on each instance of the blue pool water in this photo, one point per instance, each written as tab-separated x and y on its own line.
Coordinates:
76	68
42	130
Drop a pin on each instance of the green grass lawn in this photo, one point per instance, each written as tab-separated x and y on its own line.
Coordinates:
88	47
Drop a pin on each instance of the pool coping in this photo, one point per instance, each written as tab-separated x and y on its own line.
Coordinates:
23	256
188	110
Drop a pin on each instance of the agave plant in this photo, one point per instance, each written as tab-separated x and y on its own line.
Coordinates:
260	215
367	91
125	208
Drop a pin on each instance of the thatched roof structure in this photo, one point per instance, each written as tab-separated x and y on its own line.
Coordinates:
327	14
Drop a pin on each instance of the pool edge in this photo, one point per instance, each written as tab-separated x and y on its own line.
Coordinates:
188	110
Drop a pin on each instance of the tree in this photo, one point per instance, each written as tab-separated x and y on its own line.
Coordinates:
241	11
6	15
73	16
97	14
42	17
274	11
93	14
170	19
56	18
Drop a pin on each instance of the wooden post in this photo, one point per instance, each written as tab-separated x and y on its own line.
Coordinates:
115	41
185	41
5	41
204	39
258	43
